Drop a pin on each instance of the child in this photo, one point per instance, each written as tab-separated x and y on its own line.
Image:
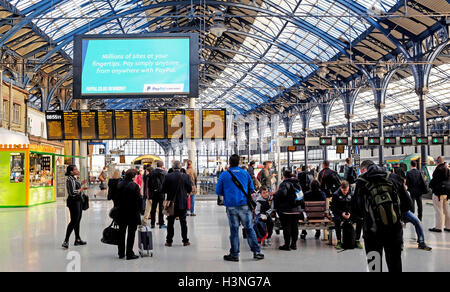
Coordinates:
264	210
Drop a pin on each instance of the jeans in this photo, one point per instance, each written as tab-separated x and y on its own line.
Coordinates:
410	217
181	214
191	210
130	239
242	215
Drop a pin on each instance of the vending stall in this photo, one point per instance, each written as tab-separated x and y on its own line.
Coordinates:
27	174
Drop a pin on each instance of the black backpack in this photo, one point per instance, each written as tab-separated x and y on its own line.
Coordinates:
332	183
156	182
382	201
348	235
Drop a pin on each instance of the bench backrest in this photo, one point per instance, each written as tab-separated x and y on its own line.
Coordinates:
316	210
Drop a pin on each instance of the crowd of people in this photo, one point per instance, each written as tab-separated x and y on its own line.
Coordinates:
376	200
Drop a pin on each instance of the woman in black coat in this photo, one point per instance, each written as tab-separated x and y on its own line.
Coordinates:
113	183
129	213
75	189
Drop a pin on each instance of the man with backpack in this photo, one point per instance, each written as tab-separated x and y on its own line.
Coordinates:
305	178
330	181
156	194
380	199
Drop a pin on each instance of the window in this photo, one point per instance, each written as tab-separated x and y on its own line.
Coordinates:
16	114
5	110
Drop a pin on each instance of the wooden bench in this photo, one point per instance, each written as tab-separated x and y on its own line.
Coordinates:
317	217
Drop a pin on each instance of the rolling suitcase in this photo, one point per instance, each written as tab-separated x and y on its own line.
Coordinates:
145	238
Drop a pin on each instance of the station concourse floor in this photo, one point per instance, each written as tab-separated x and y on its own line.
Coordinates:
30	240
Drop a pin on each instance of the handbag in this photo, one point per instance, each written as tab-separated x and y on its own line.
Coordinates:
111	234
84	202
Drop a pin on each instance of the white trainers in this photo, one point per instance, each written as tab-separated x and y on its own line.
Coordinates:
268	242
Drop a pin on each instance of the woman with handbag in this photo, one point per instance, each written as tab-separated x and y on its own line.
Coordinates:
75	191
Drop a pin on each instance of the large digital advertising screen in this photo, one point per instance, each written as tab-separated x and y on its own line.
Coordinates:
159	65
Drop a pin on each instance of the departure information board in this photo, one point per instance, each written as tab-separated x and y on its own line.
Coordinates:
406	140
123	125
192	124
214	124
358	141
341	140
54	125
326	141
299	141
88	127
71	125
105	125
175	122
137	124
157	124
373	141
140	127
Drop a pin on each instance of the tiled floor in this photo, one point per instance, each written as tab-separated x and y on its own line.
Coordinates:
30	240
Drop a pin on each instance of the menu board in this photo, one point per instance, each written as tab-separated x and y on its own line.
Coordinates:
157	124
175	122
54	125
214	124
88	128
71	125
140	129
105	125
123	125
192	124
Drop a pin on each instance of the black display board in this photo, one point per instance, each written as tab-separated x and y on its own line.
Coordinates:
122	121
175	124
158	123
140	124
214	124
88	125
105	124
326	141
72	125
55	125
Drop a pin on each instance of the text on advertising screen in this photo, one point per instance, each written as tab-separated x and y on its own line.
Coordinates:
135	66
71	128
105	125
123	125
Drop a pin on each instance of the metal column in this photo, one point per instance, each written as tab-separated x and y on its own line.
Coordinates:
325	133
380	133
421	92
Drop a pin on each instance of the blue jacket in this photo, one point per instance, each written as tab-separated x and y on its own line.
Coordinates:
233	197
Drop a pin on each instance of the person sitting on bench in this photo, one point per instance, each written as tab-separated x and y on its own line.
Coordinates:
314	195
340	206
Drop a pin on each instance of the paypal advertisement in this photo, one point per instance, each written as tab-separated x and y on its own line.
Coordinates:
138	67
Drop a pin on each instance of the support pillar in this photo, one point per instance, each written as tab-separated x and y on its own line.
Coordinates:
192	149
305	130
380	109
84	171
421	92
247	137
325	133
349	132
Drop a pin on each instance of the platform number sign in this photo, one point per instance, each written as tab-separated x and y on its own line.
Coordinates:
406	140
341	141
358	141
391	141
437	140
422	140
325	141
299	141
374	141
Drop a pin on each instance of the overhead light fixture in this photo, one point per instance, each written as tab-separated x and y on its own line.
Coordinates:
218	28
